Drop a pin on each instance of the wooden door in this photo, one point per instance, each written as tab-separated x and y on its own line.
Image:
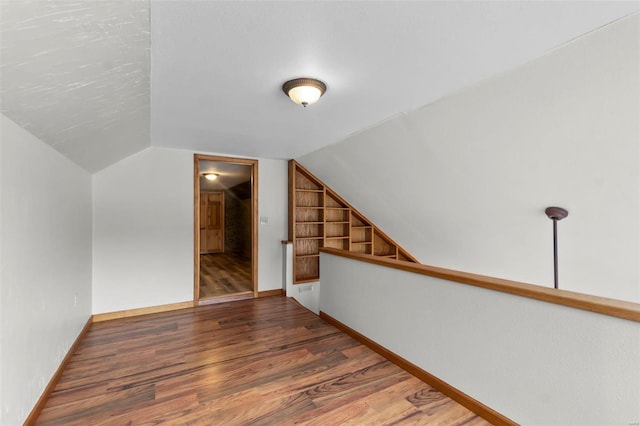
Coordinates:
211	222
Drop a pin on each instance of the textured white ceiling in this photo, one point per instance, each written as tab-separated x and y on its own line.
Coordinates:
77	74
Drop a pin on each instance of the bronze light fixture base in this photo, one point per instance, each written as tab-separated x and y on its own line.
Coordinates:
556	213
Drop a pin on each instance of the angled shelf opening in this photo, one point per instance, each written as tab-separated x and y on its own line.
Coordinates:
383	246
319	217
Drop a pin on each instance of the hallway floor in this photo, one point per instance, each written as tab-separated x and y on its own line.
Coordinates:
224	274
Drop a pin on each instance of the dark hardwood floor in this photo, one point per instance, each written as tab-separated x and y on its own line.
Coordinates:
258	361
224	274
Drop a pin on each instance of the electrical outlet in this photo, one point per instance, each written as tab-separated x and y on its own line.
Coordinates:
264	220
305	289
75	300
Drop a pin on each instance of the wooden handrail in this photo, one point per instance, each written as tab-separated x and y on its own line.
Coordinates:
602	305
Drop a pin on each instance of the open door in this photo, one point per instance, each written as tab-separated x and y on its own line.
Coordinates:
225	228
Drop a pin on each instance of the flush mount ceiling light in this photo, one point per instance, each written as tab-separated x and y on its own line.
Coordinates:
304	91
210	176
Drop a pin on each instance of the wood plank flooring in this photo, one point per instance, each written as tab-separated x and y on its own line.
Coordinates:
223	274
259	361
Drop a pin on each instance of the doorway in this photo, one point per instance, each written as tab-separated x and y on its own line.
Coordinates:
225	228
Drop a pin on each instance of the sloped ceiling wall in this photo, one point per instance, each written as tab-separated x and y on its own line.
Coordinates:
218	67
76	74
463	183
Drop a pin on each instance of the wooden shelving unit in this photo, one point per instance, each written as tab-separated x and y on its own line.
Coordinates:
361	234
318	217
336	221
306	224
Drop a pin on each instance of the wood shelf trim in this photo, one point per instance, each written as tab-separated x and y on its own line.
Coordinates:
337	208
309	207
336	222
345	237
336	197
309	223
310	238
307	255
586	302
309	190
307	280
361	242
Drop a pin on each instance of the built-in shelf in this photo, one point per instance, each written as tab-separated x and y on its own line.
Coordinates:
318	217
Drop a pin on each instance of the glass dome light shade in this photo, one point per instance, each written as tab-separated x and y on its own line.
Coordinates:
304	91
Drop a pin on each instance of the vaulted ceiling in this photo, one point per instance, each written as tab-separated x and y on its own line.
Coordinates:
101	80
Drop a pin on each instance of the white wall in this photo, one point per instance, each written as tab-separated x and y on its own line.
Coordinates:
143	229
534	362
463	183
272	204
45	265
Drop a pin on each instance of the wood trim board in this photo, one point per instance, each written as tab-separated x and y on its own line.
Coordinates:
240	296
615	308
270	293
141	311
460	397
42	401
196	228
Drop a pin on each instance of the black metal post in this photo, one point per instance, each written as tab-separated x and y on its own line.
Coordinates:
555	214
555	253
